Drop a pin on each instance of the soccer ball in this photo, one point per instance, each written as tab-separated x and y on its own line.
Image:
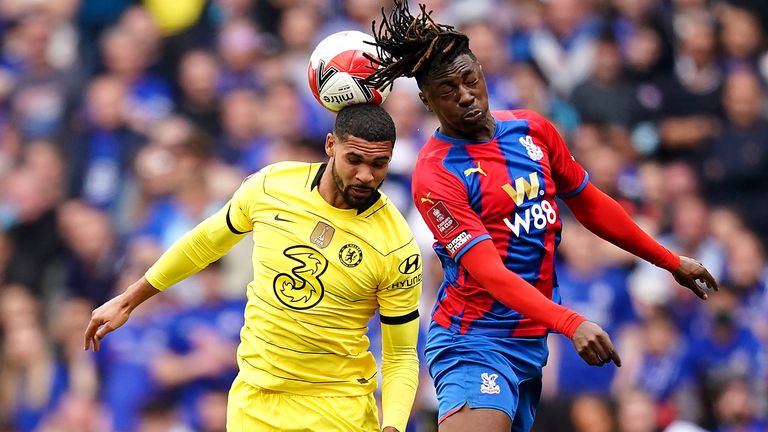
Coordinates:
337	68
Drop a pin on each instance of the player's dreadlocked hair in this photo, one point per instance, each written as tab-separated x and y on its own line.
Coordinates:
411	46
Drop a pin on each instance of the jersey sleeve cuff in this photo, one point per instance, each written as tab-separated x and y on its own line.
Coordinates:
578	189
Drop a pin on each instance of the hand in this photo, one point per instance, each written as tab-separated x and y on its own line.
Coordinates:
689	271
594	345
106	318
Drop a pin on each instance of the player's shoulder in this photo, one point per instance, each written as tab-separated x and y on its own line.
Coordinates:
286	173
532	117
391	228
431	158
433	151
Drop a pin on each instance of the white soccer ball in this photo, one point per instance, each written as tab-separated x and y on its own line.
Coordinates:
337	68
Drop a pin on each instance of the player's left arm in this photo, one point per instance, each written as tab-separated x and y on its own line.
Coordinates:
603	216
398	298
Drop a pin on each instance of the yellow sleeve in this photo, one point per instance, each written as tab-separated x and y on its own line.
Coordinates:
399	310
400	372
204	244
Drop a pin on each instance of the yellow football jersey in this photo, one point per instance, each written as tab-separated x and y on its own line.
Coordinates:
320	273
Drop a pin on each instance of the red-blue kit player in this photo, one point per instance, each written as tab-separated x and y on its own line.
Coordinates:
486	184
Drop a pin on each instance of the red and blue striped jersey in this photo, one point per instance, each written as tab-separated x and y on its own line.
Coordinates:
503	190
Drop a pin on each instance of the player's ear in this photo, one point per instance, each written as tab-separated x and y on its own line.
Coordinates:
425	101
329	142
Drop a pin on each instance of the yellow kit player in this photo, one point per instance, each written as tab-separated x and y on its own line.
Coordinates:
329	249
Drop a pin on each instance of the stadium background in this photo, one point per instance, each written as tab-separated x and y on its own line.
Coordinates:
123	124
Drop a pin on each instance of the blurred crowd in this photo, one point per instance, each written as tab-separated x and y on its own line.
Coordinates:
123	123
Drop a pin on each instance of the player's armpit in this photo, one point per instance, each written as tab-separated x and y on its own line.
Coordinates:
603	216
204	244
399	369
483	263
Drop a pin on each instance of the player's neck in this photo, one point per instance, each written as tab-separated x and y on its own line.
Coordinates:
330	192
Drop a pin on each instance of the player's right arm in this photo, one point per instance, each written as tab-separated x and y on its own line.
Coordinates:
468	242
204	244
591	342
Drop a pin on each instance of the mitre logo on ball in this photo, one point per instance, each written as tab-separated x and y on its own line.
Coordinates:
337	68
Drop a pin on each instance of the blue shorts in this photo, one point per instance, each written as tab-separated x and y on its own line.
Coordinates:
502	373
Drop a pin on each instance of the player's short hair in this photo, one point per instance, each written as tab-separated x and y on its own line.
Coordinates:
365	121
413	46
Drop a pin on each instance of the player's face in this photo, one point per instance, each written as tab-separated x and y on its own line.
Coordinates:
458	95
358	168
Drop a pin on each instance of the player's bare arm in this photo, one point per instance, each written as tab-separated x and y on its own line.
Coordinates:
114	313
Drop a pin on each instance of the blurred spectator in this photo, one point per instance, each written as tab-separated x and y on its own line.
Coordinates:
244	142
93	17
43	96
736	409
746	274
32	380
161	415
566	42
740	36
239	46
198	75
18	307
167	219
485	42
354	15
212	407
590	413
93	257
531	92
662	374
605	97
29	216
691	95
735	167
78	413
723	349
297	32
101	154
127	56
636	412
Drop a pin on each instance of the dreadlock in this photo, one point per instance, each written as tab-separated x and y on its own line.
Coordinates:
411	46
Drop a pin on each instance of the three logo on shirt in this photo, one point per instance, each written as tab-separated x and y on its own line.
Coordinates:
301	288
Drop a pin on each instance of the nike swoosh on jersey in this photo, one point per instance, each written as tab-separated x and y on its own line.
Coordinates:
280	219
